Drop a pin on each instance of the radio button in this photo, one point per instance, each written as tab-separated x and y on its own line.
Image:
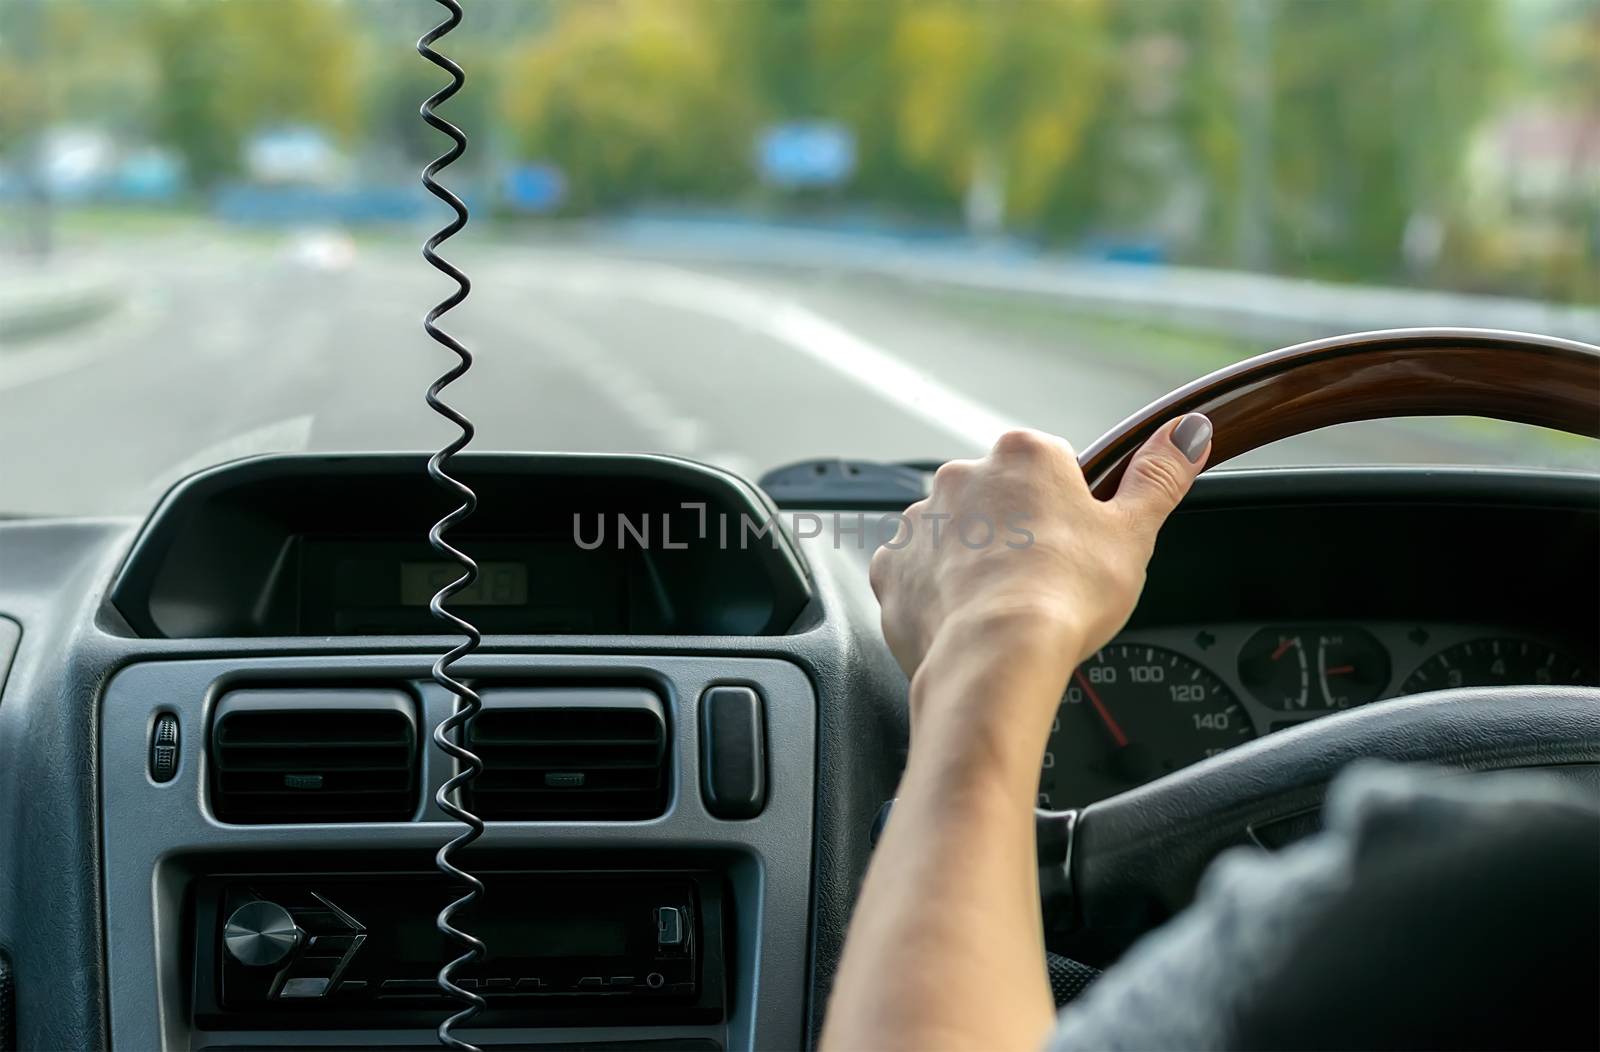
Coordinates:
316	967
669	926
304	988
261	933
622	980
496	985
591	982
409	986
529	985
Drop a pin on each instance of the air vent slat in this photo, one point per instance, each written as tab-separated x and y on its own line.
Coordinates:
314	756
245	746
590	757
502	740
570	754
301	762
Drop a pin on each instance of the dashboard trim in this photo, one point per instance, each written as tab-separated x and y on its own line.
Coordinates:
73	642
158	836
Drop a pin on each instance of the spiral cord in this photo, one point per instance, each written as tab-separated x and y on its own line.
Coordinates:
450	734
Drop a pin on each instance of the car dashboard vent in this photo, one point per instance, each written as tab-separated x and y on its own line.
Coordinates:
314	756
584	754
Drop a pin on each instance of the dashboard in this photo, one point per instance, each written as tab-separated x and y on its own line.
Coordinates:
166	684
1155	701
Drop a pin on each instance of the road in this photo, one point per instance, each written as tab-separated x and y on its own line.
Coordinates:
233	346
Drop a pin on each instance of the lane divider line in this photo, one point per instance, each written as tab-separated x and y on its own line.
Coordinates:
801	329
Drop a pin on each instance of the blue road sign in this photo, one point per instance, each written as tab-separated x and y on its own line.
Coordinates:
806	154
535	187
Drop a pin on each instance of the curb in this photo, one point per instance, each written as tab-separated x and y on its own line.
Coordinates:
23	320
1271	308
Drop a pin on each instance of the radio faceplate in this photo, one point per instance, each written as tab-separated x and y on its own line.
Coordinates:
561	946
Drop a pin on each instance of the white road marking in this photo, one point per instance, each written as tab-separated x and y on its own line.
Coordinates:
799	328
20	368
69	352
615	380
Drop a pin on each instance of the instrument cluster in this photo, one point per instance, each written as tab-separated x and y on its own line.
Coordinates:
1154	701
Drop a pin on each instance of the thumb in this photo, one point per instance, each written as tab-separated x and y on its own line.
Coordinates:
1160	474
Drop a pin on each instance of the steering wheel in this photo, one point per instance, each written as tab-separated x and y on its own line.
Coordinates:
1122	865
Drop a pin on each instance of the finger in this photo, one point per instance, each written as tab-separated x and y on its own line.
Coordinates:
1026	442
1160	474
904	530
953	474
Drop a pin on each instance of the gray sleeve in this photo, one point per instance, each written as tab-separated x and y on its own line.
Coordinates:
1185	985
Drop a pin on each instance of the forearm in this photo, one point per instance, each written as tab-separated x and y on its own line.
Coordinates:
945	948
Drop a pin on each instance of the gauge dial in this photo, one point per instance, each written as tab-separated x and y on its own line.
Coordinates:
1315	668
1275	664
1352	668
1133	713
1496	662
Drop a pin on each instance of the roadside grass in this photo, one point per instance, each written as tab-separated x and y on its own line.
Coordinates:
1172	355
82	221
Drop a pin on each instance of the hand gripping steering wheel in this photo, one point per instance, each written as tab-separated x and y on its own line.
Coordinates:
1122	865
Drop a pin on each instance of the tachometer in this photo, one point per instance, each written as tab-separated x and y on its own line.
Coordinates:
1492	662
1131	714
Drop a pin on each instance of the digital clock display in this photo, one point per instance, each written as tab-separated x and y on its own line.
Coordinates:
498	584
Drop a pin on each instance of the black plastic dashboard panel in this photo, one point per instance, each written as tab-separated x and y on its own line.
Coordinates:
159	839
1456	546
313	545
53	582
10	636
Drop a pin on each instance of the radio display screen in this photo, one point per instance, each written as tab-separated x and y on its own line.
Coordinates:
549	935
525	937
498	584
527	585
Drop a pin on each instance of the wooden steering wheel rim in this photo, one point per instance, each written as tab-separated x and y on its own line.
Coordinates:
1513	376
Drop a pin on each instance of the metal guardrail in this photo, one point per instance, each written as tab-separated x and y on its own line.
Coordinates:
1265	306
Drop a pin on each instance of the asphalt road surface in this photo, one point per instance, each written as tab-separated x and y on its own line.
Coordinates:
230	347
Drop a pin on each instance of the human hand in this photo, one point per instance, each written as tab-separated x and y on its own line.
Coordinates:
1016	540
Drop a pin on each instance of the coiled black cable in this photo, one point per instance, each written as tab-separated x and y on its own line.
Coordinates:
466	704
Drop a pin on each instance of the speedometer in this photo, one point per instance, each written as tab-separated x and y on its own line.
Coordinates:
1131	714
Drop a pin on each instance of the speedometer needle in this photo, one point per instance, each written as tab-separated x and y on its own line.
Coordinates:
1100	707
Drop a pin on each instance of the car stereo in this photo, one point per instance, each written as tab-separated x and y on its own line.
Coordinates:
348	949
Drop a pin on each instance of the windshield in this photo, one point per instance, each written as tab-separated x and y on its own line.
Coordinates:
751	233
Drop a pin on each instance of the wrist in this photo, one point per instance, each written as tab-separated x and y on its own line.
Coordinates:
984	696
1028	636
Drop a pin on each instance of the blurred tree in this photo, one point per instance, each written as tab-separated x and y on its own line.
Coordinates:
856	83
1374	105
634	99
230	67
1161	131
994	99
395	79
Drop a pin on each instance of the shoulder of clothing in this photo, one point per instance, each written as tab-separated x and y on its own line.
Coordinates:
1187	984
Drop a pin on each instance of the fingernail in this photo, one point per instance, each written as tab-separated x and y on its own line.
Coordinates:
1192	435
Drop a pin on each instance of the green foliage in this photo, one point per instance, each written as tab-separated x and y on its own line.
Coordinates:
1011	89
228	67
1304	135
634	99
1373	105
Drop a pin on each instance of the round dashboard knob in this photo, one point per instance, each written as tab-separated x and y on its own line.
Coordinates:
260	933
